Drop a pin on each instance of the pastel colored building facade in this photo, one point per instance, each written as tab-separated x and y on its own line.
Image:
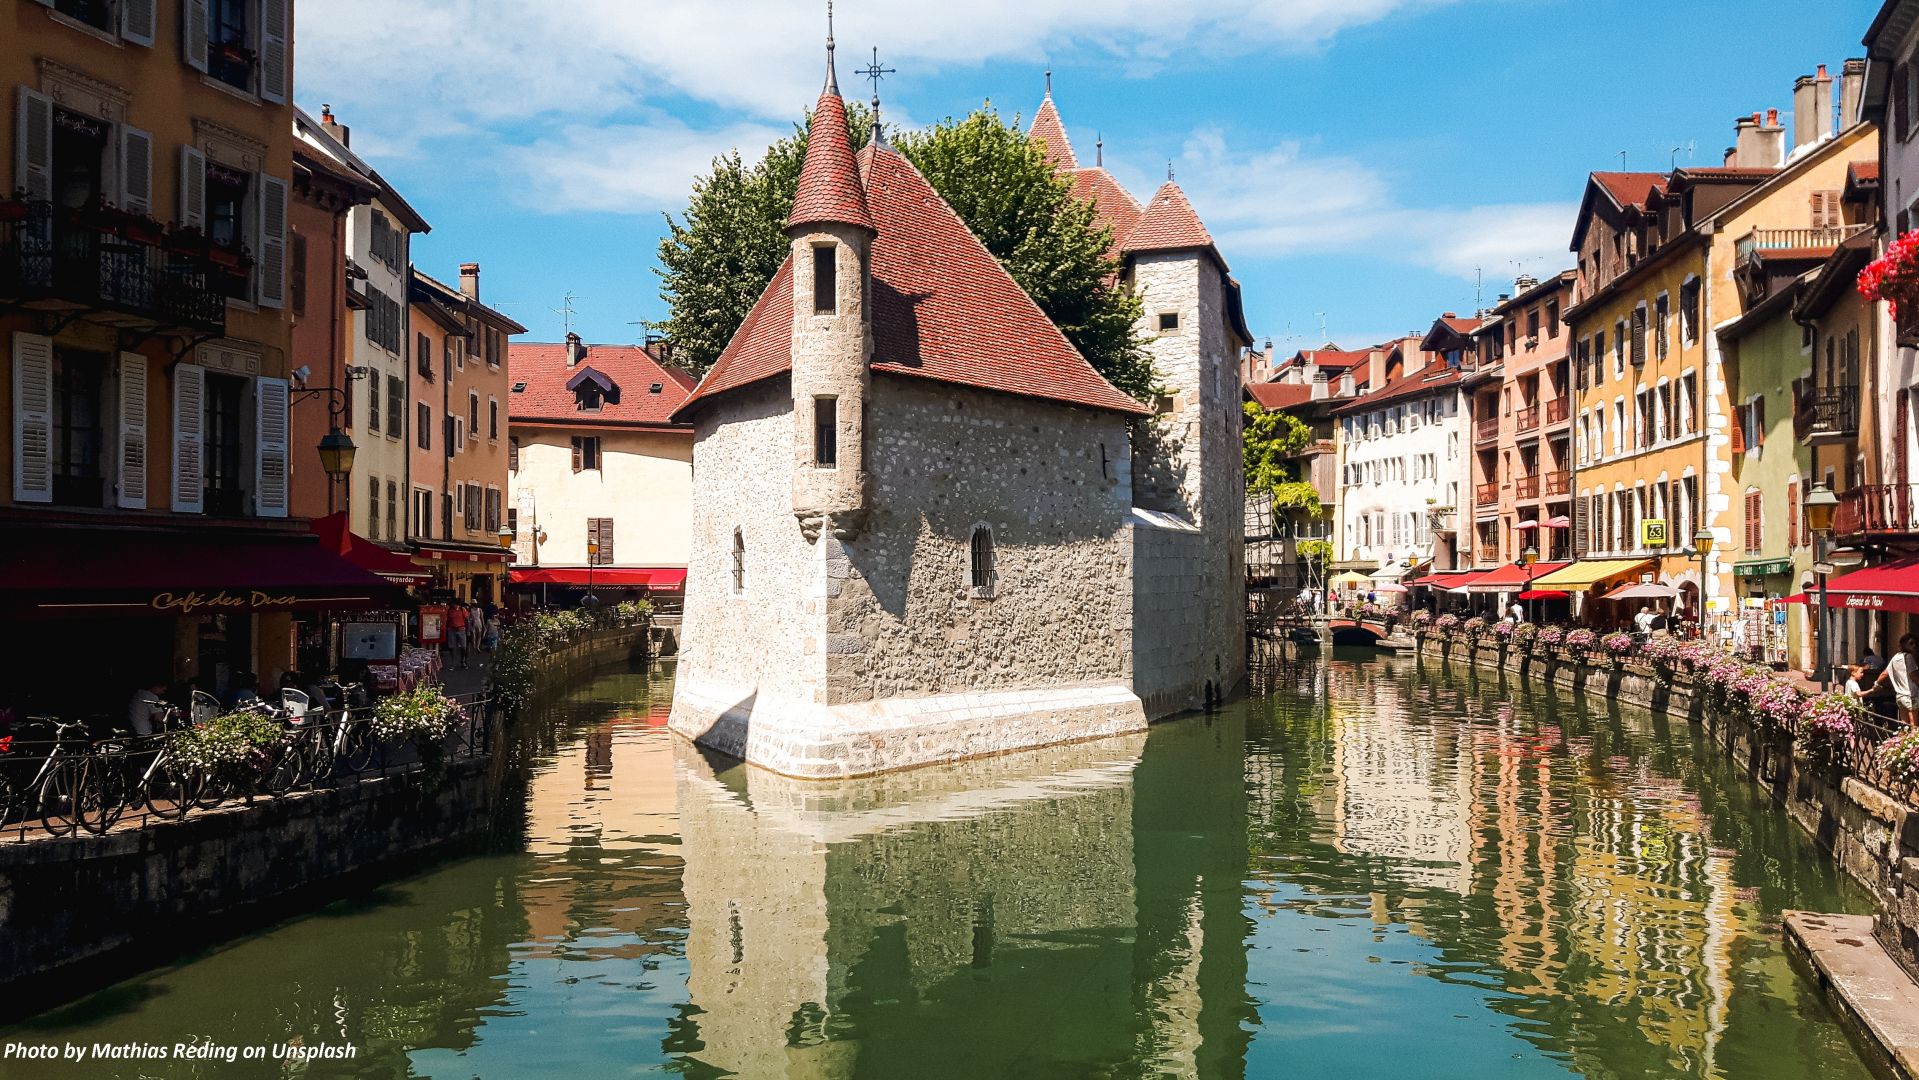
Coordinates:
1401	457
1521	397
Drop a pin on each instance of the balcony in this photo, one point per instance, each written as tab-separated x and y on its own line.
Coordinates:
1760	241
109	265
1486	495
1906	324
1835	412
1526	488
1559	484
1486	430
1559	410
1527	419
1876	510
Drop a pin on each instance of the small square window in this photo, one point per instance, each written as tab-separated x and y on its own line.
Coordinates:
1169	322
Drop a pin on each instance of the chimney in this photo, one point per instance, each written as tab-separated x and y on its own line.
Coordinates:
1321	388
470	281
1822	102
340	132
1852	94
1758	144
1805	113
1523	283
575	352
1772	141
1309	371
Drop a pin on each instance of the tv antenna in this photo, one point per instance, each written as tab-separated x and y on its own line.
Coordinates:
1322	326
1690	146
565	312
1622	161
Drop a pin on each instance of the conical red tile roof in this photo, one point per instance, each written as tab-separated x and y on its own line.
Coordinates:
1047	128
1168	224
829	191
943	309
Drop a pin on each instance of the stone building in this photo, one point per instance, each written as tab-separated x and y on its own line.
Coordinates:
962	555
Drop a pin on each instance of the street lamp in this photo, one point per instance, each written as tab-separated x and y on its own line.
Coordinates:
1702	542
336	454
592	557
1819	506
1530	557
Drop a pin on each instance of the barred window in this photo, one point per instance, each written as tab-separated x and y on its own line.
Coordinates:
739	563
984	571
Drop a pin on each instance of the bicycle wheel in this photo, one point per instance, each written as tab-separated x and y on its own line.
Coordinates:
363	752
287	770
102	793
58	797
172	789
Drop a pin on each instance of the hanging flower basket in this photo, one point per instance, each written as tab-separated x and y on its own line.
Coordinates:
13	210
1894	276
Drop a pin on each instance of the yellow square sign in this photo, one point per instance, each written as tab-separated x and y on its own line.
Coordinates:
1652	532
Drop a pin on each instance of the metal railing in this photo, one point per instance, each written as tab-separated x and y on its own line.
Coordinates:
54	254
1527	419
1486	430
1559	410
1875	509
65	786
1812	239
1835	410
1526	487
1486	495
1558	483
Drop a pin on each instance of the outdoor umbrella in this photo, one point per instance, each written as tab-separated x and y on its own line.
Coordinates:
1543	594
1350	579
1645	590
1389	587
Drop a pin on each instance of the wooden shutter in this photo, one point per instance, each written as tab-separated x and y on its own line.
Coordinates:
606	542
272	265
577	454
1737	429
1792	513
132	456
136	171
273	51
1757	437
32	418
270	469
33	145
189	465
193	33
513	453
193	188
136	21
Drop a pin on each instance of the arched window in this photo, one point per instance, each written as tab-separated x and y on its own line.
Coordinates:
739	563
983	561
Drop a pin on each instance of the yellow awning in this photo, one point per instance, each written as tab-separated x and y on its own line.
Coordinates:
1583	575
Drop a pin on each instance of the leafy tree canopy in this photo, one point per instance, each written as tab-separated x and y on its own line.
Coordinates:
731	240
1269	441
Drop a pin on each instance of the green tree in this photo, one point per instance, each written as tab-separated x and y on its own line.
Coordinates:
1269	441
717	260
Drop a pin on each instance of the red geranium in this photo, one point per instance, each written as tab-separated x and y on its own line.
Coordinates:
1894	276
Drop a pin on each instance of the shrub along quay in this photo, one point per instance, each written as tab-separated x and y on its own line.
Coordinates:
1846	776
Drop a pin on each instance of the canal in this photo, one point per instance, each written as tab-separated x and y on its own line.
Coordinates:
1372	867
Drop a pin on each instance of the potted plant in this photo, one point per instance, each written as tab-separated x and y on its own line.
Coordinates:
1894	276
13	208
1580	641
1618	647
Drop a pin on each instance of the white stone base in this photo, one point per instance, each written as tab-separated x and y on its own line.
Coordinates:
822	742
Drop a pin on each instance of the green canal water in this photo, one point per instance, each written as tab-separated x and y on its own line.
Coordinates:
1369	868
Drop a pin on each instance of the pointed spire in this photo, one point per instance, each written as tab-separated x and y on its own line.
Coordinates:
1169	170
1099	150
832	78
1049	82
1169	223
1048	129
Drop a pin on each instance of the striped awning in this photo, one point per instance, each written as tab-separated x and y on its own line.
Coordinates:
1583	575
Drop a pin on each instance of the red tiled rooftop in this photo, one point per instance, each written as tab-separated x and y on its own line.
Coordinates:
1169	224
829	191
542	367
1434	376
943	308
1047	128
1115	206
1630	188
1280	395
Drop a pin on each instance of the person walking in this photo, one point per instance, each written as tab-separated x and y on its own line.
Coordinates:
1899	674
456	622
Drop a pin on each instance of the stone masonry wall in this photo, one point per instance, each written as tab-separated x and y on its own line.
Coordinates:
1172	661
902	620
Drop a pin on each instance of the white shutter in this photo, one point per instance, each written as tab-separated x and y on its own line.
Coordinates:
132	469
193	188
270	425
189	465
272	264
136	171
32	418
193	33
33	145
273	50
136	21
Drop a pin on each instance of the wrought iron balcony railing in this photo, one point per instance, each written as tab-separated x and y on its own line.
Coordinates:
1835	410
56	255
1876	510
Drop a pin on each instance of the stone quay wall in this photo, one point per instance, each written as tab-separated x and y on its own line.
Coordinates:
1873	835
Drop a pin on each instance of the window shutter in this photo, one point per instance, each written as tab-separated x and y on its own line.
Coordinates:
193	187
136	21
32	418
606	542
1792	514
193	33
189	467
513	453
132	468
272	266
33	145
1758	433
273	51
576	454
136	171
270	470
1737	429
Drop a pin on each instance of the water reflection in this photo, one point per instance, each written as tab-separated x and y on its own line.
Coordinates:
1372	867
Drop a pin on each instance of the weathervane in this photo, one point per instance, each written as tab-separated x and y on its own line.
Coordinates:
874	73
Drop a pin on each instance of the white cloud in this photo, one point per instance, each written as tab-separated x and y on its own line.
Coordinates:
625	168
1282	201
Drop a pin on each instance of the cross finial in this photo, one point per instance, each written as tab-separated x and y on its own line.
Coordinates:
874	73
1169	170
832	79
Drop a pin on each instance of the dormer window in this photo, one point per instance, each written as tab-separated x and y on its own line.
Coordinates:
592	389
826	292
589	398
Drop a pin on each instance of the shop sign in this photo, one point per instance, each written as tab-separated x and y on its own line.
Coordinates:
1652	532
193	600
1762	568
432	624
370	640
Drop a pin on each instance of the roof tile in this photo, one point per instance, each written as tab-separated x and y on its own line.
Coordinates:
542	367
1047	129
829	191
1169	224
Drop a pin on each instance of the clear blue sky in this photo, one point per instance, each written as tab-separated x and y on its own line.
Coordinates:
1356	158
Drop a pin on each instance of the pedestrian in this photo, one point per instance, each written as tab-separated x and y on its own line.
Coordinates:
147	712
1642	622
1899	674
1855	680
1872	663
475	626
1517	613
456	620
1659	625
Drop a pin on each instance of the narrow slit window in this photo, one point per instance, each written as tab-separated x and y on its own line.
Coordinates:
826	289
983	560
739	562
826	436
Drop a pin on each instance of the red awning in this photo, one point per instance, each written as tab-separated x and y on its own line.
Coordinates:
657	578
1892	587
339	538
1452	580
204	571
1544	594
1512	577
